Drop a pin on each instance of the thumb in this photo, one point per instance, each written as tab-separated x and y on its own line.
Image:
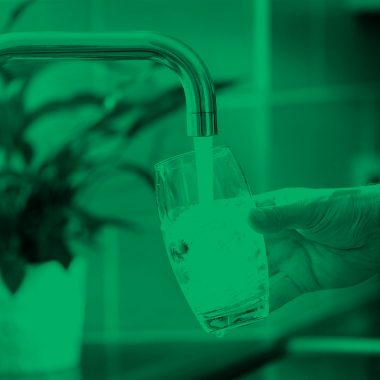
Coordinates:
274	219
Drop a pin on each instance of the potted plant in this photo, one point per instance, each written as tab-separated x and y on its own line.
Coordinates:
42	281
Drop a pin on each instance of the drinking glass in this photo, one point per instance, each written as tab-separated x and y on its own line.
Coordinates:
218	260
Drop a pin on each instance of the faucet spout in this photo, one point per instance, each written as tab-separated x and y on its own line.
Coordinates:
196	80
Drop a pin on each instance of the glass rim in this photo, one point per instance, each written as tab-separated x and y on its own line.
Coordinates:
189	153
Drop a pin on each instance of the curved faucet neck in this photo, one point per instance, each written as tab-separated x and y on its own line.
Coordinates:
195	78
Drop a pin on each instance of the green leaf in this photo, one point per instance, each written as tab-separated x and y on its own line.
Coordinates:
6	74
138	170
13	272
118	110
26	150
163	105
92	224
59	252
77	101
68	160
16	14
23	71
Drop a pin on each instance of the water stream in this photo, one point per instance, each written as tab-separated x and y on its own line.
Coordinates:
204	167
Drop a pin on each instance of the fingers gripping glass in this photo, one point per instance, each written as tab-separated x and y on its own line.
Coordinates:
219	261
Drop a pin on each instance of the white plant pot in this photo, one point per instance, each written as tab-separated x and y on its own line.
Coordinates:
41	326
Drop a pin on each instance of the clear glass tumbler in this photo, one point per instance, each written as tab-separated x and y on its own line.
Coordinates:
219	261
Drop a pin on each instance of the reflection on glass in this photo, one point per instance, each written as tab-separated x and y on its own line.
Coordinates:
219	261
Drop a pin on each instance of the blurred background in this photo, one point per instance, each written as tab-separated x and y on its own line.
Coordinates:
304	111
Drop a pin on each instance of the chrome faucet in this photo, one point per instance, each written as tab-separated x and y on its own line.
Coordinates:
195	78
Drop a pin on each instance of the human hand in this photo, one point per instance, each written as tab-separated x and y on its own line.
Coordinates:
318	238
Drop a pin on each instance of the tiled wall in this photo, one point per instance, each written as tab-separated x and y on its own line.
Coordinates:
325	92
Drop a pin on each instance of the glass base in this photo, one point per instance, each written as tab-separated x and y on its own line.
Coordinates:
238	315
